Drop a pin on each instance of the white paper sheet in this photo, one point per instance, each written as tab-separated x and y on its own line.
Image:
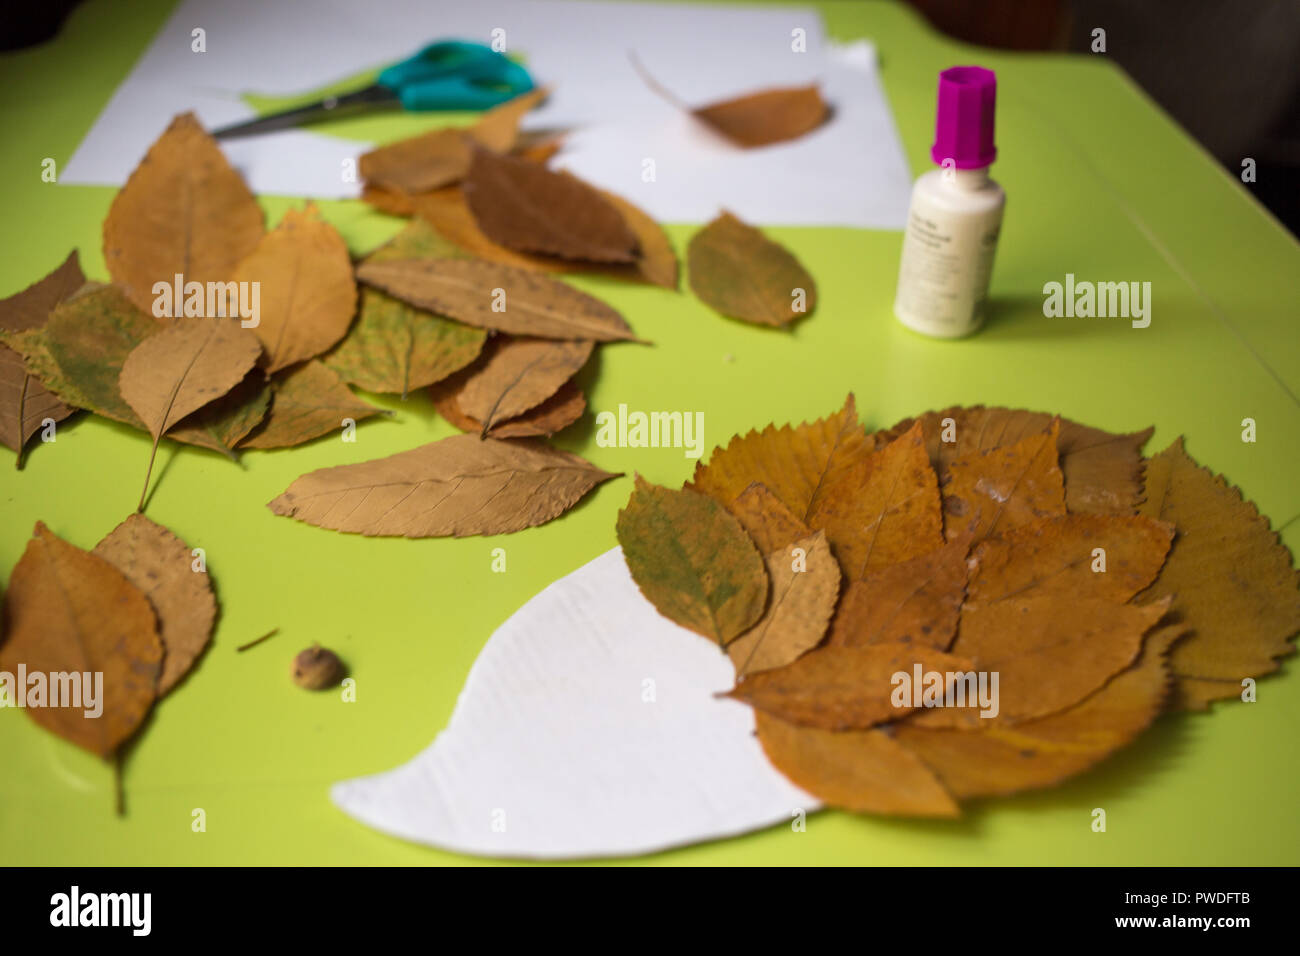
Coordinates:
587	727
850	172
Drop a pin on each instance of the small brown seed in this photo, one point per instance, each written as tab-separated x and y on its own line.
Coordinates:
317	668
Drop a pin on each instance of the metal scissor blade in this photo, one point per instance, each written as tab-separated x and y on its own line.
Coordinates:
330	106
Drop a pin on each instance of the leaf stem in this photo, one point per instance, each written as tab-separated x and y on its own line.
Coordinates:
253	643
148	472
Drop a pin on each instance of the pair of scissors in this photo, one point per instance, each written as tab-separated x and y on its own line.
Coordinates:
447	75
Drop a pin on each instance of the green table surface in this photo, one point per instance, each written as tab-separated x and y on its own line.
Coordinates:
1101	183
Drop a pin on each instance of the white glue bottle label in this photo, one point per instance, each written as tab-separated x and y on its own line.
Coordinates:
955	215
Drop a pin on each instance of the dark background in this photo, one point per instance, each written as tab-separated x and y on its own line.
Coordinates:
1227	70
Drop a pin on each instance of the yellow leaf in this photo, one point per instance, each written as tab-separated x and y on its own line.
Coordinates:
805	584
1230	578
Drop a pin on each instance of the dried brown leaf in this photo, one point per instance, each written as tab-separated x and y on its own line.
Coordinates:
737	271
184	211
754	119
1057	557
865	770
448	212
68	611
768	116
882	509
31	308
693	561
160	564
459	486
805	585
995	759
181	368
915	602
793	461
531	208
308	295
493	296
1012	485
419	163
555	414
843	688
1046	659
309	401
770	524
442	156
516	374
1230	577
25	403
1103	471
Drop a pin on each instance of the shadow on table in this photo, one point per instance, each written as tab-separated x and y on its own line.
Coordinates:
1123	773
1021	317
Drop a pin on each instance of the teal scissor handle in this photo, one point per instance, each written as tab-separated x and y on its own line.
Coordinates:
455	75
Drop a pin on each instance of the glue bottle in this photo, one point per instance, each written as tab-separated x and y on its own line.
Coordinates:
955	214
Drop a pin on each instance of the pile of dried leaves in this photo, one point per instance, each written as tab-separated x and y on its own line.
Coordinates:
219	334
1101	587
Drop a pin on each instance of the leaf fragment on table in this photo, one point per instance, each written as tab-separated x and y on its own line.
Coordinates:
793	461
528	207
1102	470
995	760
805	583
1230	578
737	271
183	211
181	368
913	602
308	401
308	295
459	486
844	688
160	564
70	612
883	508
493	296
555	414
1008	486
693	561
866	770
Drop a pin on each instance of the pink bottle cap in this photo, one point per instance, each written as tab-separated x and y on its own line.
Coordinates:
963	129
